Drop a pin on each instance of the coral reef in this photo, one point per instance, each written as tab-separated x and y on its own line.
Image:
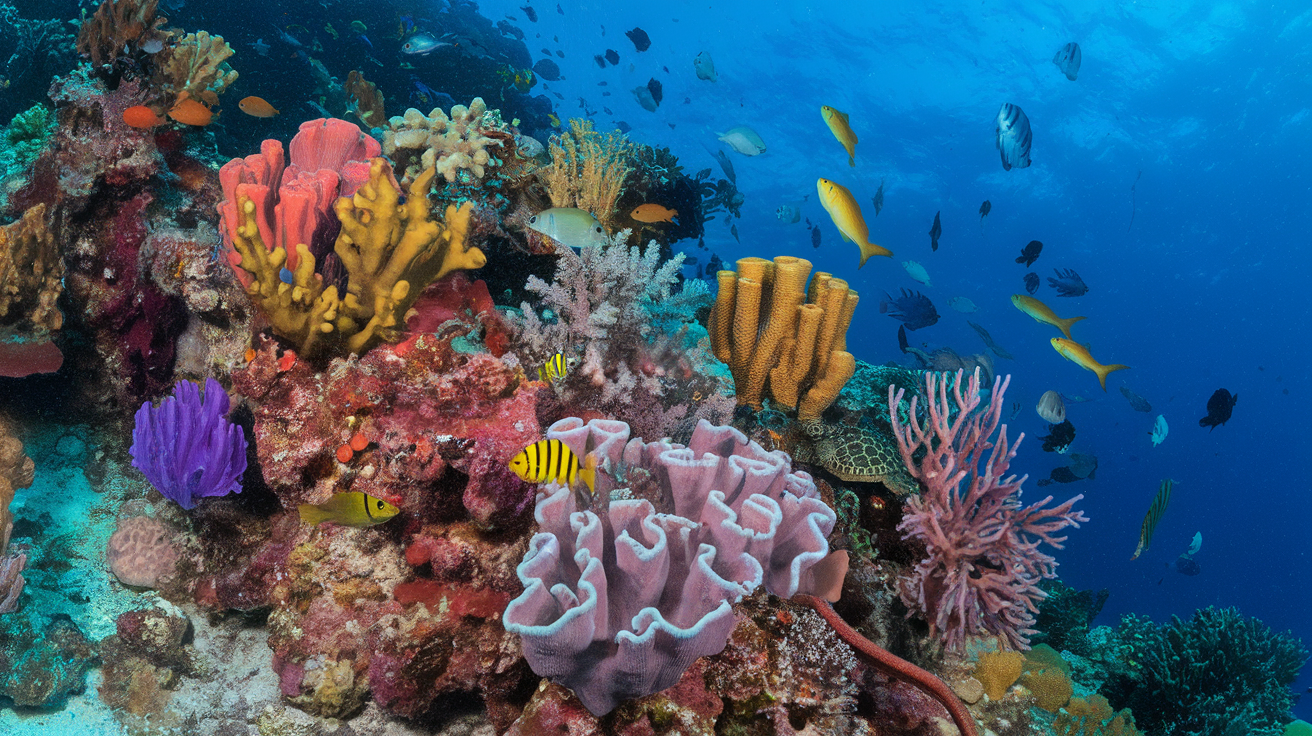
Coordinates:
767	323
143	662
587	171
1217	669
1093	717
623	624
367	100
461	147
31	271
118	27
41	668
1066	615
998	671
982	564
194	67
187	448
141	552
16	470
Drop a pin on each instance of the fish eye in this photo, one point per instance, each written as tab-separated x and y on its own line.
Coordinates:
532	219
380	505
598	230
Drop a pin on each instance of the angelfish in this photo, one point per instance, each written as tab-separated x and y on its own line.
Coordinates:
846	214
1013	136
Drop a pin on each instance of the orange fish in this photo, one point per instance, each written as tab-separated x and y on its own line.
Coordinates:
142	117
286	362
257	107
191	112
653	213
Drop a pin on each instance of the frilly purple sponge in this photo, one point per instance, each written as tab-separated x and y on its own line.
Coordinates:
618	608
186	447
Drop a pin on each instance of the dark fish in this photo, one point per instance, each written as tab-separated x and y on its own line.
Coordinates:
988	340
912	308
622	126
1031	282
879	198
1137	402
1187	566
1218	409
815	237
733	230
1029	254
726	166
612	56
547	69
509	30
690	260
644	97
560	53
1013	137
601	61
1084	465
657	92
546	51
1068	283
902	338
559	9
935	232
607	111
985	209
530	13
1062	474
639	38
601	84
1068	60
1154	515
715	265
1059	437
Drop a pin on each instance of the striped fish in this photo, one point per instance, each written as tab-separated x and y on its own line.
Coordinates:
551	460
554	369
1068	60
1153	516
1014	137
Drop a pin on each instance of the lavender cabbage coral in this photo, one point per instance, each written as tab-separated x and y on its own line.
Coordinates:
186	447
619	607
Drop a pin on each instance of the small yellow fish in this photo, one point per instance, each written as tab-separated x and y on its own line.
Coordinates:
257	107
1079	355
846	214
348	509
554	369
555	121
653	213
1042	313
552	460
837	122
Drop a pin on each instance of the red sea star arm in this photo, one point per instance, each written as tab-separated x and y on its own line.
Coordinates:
893	665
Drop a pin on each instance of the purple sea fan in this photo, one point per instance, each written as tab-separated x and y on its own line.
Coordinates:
186	447
1068	283
913	309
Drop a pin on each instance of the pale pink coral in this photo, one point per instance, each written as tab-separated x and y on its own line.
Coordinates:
141	552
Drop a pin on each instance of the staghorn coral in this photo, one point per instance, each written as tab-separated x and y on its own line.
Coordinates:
767	324
119	25
588	171
458	146
982	565
619	610
389	249
194	67
367	101
31	274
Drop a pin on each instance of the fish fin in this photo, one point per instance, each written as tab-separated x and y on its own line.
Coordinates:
1103	370
1065	325
845	238
588	473
870	249
851	160
311	514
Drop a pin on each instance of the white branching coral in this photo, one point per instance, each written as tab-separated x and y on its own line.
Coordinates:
454	144
603	306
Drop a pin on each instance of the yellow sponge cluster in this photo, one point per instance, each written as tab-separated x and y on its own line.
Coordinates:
998	671
770	327
1094	717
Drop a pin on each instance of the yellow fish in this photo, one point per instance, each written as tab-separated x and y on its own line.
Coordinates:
1042	313
846	214
257	107
348	509
1079	355
837	122
554	369
552	460
653	213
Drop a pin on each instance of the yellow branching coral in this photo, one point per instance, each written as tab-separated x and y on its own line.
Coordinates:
119	24
464	141
391	251
31	273
588	170
196	66
772	329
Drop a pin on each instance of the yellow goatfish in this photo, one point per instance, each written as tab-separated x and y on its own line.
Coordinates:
846	214
1079	355
837	122
1041	313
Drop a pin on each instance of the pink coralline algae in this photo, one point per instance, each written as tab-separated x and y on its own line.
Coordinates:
983	564
619	608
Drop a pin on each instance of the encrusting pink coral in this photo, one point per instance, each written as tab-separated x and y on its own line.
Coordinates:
619	608
983	564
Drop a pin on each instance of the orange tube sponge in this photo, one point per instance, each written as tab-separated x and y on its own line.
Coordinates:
841	367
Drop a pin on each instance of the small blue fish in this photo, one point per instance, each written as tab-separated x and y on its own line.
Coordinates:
366	40
286	275
422	44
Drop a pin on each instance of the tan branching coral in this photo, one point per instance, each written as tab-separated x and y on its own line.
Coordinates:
195	67
770	327
464	141
588	170
119	24
366	100
391	251
31	274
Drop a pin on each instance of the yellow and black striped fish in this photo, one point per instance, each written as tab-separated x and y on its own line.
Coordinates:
552	460
349	509
554	369
1153	516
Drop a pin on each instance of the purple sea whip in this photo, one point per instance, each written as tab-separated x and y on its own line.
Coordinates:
186	447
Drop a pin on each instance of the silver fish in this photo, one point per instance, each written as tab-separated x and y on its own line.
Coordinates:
704	67
422	44
569	226
1068	60
1014	137
788	213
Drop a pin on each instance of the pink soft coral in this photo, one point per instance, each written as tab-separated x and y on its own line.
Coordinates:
983	563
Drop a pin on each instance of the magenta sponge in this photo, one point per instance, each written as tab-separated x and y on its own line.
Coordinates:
619	607
141	552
